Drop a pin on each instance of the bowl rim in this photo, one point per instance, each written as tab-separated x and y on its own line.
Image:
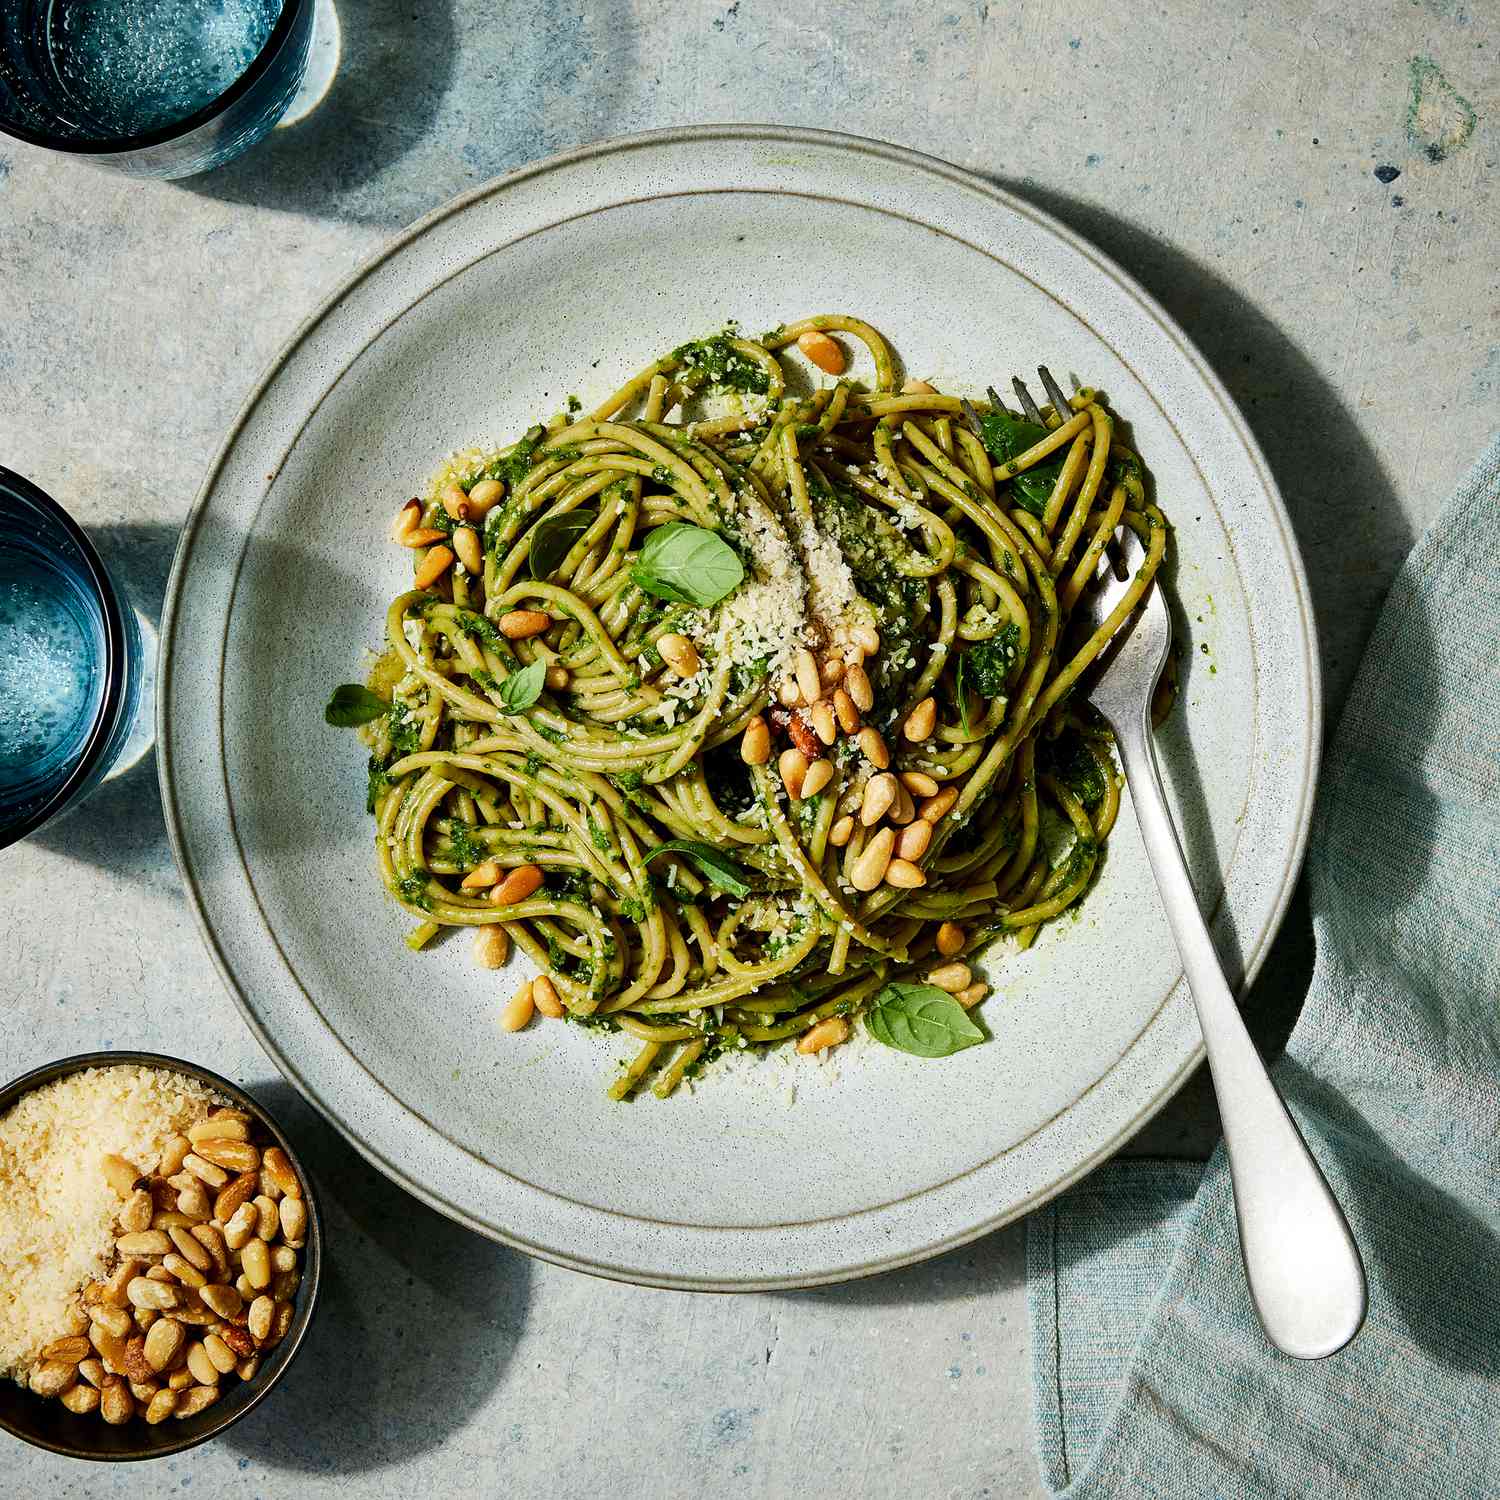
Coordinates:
119	145
312	1265
112	608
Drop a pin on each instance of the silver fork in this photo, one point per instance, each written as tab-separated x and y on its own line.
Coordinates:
1304	1270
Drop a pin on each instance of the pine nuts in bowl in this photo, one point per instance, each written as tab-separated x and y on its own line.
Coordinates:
173	1280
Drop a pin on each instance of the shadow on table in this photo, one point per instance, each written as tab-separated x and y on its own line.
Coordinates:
416	1321
400	128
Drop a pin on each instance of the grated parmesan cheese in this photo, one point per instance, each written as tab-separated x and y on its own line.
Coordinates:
57	1209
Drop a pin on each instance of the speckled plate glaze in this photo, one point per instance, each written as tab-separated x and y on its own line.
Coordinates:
563	277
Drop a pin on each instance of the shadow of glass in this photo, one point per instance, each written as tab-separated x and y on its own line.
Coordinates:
402	128
372	1385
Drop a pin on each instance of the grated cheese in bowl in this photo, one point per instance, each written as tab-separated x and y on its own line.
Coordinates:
57	1208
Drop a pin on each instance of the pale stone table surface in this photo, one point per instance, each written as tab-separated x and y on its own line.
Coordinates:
1240	160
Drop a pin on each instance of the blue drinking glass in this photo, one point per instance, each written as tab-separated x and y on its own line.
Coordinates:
74	676
155	88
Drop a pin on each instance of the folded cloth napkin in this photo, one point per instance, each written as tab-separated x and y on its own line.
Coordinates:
1153	1377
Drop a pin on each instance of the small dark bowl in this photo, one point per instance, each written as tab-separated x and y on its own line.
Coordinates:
47	1423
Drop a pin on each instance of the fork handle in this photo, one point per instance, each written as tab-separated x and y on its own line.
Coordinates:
1306	1278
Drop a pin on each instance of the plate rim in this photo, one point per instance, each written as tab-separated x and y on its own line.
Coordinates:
903	157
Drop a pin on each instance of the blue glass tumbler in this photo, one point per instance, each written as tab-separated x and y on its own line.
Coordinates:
75	677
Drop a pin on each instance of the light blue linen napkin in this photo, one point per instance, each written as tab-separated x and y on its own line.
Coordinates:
1152	1375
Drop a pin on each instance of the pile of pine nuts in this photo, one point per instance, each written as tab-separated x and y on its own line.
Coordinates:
204	1285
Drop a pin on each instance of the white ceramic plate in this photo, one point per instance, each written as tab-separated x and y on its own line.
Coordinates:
562	278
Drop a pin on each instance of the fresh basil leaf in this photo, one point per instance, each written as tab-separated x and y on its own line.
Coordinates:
1006	435
922	1020
687	565
712	861
552	539
521	689
959	693
353	704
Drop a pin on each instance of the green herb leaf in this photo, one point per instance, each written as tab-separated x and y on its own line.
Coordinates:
922	1020
687	565
1005	436
521	689
959	693
552	539
712	861
353	704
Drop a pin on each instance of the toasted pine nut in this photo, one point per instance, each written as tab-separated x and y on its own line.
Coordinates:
828	1033
788	694
195	1399
160	1407
905	875
115	1405
913	840
219	1353
848	714
870	742
267	1222
544	995
857	681
918	388
239	1190
880	793
135	1214
73	1348
255	1261
81	1399
809	682
793	767
842	831
799	727
522	882
193	1202
241	1226
172	1155
818	775
522	624
142	1390
146	1242
558	677
936	808
111	1345
470	553
455	501
191	1250
970	996
293	1215
76	1320
755	745
225	1128
224	1300
233	1156
112	1293
51	1377
919	783
950	936
186	1274
205	1171
822	351
159	1272
867	638
679	653
821	714
422	536
831	671
162	1295
491	947
952	977
243	1287
119	1173
204	1370
481	876
518	1012
483	494
92	1370
164	1341
262	1310
278	1168
433	566
144	1317
869	869
248	1369
904	809
921	721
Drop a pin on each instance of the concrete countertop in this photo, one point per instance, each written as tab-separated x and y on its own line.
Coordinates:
1313	196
